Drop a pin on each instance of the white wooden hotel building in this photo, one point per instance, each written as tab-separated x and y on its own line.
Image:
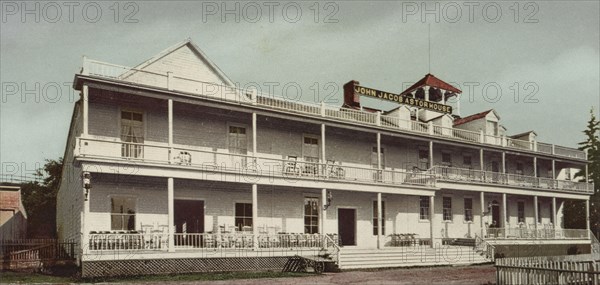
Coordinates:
183	165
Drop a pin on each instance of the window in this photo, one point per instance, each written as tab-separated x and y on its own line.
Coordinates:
311	215
122	213
132	134
243	215
467	161
539	213
446	158
447	208
374	157
468	209
375	232
521	211
424	207
310	149
520	168
492	128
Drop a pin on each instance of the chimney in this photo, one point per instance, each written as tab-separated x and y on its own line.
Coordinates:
350	98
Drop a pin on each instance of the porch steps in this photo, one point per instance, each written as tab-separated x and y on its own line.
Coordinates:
462	242
354	258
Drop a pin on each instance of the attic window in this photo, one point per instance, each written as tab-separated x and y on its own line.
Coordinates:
492	127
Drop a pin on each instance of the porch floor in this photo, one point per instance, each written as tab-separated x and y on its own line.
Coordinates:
199	253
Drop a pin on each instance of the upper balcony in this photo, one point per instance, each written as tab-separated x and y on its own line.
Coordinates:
462	175
172	82
261	165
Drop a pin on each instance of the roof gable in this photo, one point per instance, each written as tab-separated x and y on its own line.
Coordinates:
185	60
474	117
432	81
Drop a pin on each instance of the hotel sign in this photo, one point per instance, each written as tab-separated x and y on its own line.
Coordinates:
402	99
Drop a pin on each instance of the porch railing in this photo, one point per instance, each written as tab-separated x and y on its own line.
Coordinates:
128	241
478	176
262	165
483	246
174	82
160	242
540	233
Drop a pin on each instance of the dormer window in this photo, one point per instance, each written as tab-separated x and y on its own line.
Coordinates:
492	128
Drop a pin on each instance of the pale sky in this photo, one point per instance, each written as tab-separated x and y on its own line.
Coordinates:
547	50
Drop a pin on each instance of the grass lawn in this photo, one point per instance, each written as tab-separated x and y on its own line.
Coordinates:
26	277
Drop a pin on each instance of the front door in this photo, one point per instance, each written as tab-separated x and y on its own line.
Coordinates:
496	222
189	219
347	226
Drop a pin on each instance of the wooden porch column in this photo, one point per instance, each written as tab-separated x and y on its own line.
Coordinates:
554	213
379	222
481	166
254	146
85	109
324	215
504	212
587	217
171	212
84	223
553	169
431	154
431	218
587	177
535	166
323	155
504	162
379	151
482	206
255	215
170	128
535	209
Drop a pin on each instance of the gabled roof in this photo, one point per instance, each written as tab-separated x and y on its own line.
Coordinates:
192	46
474	117
432	81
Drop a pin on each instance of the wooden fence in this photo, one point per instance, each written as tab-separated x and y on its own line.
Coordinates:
35	253
572	269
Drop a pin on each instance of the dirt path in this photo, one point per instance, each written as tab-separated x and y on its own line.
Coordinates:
484	274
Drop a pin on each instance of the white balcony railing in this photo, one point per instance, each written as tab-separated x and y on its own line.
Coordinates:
173	82
471	175
261	165
114	241
540	233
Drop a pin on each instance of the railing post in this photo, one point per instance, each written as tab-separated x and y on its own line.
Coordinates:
169	80
253	96
430	127
481	136
504	144
85	69
378	118
553	149
322	109
534	145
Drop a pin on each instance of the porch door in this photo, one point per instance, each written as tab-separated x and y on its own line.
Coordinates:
496	215
347	226
189	218
238	146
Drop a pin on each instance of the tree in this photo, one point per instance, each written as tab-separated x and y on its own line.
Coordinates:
39	200
574	211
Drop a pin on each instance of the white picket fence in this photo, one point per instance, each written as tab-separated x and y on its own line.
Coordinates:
572	269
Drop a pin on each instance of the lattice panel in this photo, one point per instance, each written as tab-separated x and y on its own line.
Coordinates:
181	265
